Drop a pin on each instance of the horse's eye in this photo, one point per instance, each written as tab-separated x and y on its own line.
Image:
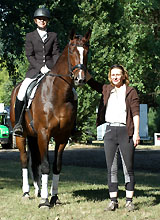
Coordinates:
71	47
86	44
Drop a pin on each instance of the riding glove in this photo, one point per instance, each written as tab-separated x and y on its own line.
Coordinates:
45	69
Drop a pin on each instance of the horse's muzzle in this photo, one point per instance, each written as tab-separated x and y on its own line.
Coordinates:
79	74
79	82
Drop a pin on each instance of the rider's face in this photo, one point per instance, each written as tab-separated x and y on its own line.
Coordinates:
41	22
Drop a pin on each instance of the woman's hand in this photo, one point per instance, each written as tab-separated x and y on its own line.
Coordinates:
136	139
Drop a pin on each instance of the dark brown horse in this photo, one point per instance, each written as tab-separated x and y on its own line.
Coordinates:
53	111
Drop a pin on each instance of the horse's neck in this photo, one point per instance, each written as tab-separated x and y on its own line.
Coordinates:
61	66
63	81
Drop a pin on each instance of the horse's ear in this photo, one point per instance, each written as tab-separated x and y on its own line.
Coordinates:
88	34
72	34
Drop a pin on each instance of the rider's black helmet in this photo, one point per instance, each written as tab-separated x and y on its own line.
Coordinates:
42	12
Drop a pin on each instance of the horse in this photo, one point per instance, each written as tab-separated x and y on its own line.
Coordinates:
53	112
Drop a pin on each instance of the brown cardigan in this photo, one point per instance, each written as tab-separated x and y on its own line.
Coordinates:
132	103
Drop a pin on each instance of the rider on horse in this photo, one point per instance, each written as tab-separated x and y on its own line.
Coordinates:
42	51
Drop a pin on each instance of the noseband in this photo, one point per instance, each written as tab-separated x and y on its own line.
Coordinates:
78	66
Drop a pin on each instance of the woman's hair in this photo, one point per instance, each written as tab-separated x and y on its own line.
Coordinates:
124	72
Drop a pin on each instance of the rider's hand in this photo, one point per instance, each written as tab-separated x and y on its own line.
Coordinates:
45	69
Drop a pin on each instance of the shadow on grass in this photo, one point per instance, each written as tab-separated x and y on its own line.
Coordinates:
103	194
10	177
10	174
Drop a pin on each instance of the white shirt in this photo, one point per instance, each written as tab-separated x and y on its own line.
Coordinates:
42	33
116	106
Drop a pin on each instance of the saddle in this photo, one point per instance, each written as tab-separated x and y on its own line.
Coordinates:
30	93
31	90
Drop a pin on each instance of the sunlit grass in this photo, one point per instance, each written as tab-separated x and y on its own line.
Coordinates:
84	194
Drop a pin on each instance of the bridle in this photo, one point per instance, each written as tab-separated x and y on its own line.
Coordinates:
78	66
70	67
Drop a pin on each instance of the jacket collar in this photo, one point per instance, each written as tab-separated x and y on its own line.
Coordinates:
107	91
128	89
110	87
36	35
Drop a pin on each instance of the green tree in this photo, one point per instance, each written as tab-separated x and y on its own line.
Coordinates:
16	19
5	87
125	32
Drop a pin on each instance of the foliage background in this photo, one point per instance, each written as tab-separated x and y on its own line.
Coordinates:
124	32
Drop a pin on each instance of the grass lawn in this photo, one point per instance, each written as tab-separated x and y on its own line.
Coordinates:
84	194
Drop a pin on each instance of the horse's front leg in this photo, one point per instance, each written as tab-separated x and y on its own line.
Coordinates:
43	142
57	165
21	145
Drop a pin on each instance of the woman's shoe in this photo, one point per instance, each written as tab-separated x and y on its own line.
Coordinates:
112	206
129	206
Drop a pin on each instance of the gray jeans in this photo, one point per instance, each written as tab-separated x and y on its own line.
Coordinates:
116	140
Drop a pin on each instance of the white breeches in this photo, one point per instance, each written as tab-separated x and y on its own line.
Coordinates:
23	88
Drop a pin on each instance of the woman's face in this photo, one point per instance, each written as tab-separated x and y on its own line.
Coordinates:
41	22
117	77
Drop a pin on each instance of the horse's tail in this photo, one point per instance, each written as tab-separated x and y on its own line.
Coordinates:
34	159
12	104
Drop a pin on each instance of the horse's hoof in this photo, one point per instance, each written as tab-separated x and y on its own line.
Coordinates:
37	194
26	195
44	203
55	201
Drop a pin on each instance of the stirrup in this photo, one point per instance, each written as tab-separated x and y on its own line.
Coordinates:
18	130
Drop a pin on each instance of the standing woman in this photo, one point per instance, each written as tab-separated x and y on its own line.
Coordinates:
42	51
119	108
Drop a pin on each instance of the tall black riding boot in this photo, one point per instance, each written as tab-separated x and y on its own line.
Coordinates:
19	109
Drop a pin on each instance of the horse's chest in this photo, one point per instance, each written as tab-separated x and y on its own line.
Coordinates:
65	111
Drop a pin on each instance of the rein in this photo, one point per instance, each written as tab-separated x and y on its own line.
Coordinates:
59	75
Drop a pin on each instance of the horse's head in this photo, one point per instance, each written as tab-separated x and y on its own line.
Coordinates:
77	56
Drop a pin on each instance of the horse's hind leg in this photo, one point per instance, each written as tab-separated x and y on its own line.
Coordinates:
21	145
35	163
